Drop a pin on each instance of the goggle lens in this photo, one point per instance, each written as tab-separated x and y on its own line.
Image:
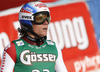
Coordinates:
40	18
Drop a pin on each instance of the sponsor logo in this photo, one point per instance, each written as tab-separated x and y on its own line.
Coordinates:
29	9
44	46
20	43
40	5
26	10
50	42
28	57
30	46
26	17
87	62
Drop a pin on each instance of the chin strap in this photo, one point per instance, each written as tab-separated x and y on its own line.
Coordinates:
38	39
35	35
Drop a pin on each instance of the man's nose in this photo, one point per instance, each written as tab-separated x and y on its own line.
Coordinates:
45	23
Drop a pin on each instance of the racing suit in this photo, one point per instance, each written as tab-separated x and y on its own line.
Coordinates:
23	55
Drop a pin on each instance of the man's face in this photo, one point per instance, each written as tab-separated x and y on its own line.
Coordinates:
41	30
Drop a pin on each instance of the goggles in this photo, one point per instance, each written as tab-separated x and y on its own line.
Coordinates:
41	17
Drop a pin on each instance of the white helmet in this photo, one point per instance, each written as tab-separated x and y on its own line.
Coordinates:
30	12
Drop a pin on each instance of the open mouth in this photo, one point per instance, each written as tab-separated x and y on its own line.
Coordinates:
44	28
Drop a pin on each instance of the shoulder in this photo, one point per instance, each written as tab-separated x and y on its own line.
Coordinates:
10	51
12	46
9	46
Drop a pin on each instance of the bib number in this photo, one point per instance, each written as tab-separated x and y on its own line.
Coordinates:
44	70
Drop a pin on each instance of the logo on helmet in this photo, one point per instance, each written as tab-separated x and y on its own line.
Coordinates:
24	11
29	9
40	5
26	17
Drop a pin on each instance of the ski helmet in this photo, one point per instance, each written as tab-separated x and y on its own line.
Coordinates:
33	12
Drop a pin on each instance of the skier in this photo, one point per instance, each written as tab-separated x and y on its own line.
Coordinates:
32	52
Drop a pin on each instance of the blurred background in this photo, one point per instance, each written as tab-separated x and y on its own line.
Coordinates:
74	27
